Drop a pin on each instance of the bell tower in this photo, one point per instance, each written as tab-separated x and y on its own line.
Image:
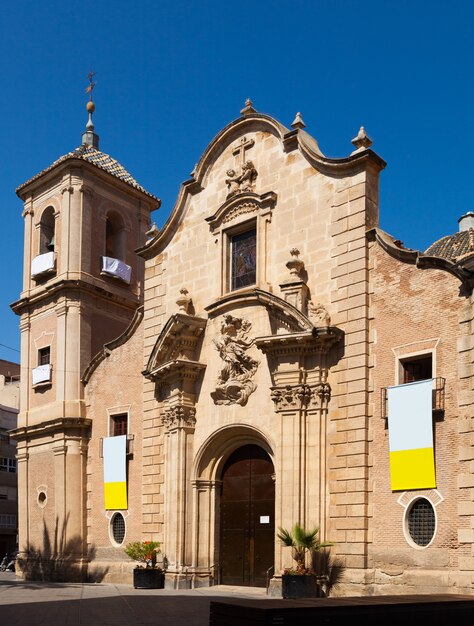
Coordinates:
82	282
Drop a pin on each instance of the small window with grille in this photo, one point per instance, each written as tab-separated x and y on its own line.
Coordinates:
421	522
119	424
44	356
117	528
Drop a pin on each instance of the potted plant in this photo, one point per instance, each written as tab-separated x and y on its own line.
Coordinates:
301	581
146	575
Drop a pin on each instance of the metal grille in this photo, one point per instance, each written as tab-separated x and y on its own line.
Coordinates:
118	528
421	522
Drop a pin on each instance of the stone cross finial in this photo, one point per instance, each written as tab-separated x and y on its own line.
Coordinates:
183	301
362	141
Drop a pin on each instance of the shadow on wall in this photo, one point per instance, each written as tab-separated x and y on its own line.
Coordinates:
59	559
330	570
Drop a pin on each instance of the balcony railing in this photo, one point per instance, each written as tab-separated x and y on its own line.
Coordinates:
437	398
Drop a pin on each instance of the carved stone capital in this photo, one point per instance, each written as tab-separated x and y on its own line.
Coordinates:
296	397
291	397
179	417
68	188
321	394
86	190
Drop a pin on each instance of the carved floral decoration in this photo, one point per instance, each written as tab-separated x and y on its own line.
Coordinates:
234	383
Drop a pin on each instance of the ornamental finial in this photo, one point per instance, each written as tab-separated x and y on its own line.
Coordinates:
89	138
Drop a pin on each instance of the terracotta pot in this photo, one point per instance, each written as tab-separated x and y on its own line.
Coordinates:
147	578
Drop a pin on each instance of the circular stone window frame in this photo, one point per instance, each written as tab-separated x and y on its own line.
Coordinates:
41	496
407	500
111	519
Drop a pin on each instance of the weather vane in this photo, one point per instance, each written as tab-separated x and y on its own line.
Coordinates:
91	86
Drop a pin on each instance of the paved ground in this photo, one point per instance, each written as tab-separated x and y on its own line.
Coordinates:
102	604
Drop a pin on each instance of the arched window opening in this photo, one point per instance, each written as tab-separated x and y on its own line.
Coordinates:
47	236
113	263
114	237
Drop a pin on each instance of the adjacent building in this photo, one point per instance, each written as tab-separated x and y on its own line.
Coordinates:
9	402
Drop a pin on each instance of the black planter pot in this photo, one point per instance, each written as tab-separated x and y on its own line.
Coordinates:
294	587
147	578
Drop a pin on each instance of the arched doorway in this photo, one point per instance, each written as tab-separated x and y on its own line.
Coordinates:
247	527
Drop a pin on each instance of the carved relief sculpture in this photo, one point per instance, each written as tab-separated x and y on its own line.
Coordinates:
245	180
235	384
318	315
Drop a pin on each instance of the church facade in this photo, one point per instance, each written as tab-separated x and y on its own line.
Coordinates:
268	357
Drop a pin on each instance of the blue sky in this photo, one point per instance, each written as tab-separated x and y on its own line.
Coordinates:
170	75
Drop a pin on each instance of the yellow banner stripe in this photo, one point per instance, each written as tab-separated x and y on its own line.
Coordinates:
412	469
115	495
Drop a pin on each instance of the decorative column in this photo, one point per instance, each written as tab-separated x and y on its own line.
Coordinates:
175	369
179	422
205	568
301	394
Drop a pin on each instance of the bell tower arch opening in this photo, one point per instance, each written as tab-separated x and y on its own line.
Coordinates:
114	236
47	234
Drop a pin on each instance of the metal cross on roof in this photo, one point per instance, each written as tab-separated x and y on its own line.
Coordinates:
91	86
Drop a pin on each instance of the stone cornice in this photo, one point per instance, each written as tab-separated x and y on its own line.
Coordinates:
58	287
112	345
51	427
316	340
249	200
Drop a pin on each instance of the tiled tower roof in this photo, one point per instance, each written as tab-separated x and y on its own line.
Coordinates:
99	159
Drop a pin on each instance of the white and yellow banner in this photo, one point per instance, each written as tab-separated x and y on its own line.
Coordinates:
115	472
410	434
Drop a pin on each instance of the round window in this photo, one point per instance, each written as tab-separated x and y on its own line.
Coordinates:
117	527
421	522
42	498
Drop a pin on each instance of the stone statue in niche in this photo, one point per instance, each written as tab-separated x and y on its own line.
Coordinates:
234	383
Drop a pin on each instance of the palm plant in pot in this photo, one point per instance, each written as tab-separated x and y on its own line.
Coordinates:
301	581
146	574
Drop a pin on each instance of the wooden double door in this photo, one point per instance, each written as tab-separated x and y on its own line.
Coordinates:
247	532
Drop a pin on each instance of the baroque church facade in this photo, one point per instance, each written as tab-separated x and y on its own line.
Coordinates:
268	357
